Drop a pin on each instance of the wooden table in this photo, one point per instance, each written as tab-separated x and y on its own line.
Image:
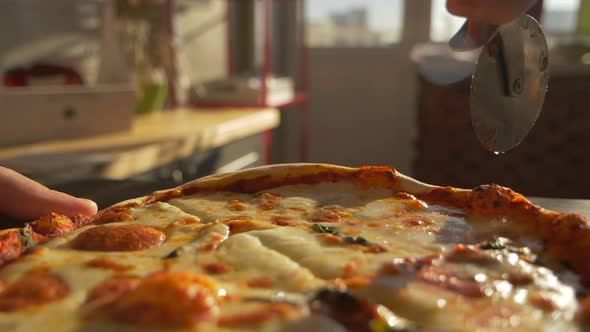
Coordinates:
154	140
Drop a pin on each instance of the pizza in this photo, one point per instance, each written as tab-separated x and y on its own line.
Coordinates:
301	247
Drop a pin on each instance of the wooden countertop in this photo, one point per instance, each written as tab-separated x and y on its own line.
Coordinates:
154	140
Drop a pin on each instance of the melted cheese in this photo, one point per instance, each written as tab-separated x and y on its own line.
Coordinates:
292	261
280	268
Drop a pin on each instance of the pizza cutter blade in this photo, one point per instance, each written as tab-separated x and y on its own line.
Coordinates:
510	81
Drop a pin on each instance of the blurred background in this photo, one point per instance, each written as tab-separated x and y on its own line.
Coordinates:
111	99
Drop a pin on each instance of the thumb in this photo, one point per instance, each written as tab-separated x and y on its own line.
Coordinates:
23	198
487	11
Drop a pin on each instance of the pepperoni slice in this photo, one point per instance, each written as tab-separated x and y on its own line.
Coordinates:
282	220
108	264
542	302
236	205
35	289
470	254
243	224
112	288
216	268
167	299
11	246
53	225
108	291
330	238
263	282
450	282
118	238
267	201
326	215
415	222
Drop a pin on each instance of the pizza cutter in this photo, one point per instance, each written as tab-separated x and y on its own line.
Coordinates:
510	80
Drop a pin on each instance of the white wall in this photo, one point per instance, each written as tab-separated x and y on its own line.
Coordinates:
363	100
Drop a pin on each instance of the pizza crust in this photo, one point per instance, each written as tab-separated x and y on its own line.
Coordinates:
282	172
267	177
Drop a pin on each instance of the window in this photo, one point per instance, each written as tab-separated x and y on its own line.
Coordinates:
354	23
560	16
442	24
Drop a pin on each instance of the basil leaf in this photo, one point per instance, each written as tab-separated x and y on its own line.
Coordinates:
492	245
325	229
26	236
356	240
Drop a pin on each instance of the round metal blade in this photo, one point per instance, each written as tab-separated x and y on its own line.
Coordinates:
502	121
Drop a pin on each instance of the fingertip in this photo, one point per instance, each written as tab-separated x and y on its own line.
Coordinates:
25	199
88	207
66	204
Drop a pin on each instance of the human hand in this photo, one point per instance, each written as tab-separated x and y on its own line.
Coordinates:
24	199
489	11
